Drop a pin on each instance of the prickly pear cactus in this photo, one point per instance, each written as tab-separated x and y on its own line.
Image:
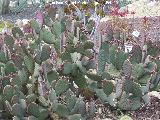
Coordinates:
152	49
126	103
127	68
108	87
4	6
136	54
103	57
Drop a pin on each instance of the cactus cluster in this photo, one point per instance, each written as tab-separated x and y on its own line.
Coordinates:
40	80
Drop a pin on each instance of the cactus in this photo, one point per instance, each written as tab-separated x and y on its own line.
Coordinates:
127	68
103	57
18	60
128	104
132	87
4	6
71	101
21	5
30	63
18	110
33	109
62	110
53	99
79	107
138	71
47	36
126	117
100	93
61	86
92	109
35	25
65	56
108	87
9	68
120	57
88	45
109	36
9	41
8	92
31	98
136	54
57	28
89	53
3	57
43	102
45	54
67	68
52	75
80	81
152	49
75	117
94	76
17	32
41	85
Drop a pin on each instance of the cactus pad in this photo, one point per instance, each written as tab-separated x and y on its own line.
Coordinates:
61	86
